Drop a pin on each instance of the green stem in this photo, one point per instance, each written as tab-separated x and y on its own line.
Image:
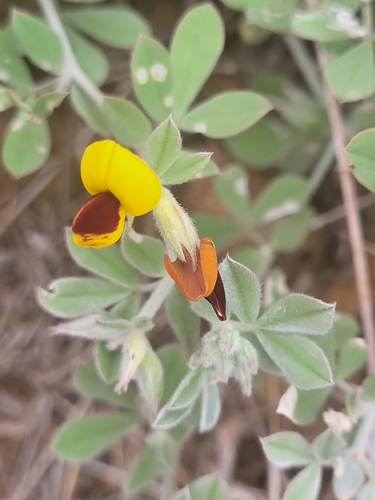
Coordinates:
71	68
321	168
367	15
307	67
157	297
170	475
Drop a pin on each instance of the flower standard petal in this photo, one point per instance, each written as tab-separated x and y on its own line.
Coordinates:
99	222
94	165
132	181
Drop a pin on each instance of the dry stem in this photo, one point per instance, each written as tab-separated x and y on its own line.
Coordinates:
349	195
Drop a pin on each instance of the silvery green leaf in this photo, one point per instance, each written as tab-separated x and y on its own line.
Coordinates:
287	449
14	71
91	327
273	15
302	407
38	41
69	297
88	383
222	231
105	262
306	484
187	391
152	78
242	290
168	419
129	307
210	404
232	186
86	437
200	27
45	104
327	446
353	354
117	26
368	387
90	58
226	114
128	124
148	465
145	253
149	378
348	477
345	327
300	314
90	112
175	368
302	362
367	492
209	487
185	168
204	309
26	144
107	362
290	233
182	319
285	195
163	146
249	257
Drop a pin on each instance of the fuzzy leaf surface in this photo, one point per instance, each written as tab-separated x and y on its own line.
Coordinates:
300	314
116	26
201	32
226	114
152	78
301	361
242	290
287	449
84	438
145	253
69	297
105	262
306	484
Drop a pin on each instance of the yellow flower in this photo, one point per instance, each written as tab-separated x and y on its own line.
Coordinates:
121	183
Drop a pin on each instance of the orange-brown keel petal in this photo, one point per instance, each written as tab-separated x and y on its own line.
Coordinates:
190	283
217	299
99	222
208	261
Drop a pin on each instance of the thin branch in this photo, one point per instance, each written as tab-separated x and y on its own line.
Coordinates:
306	66
157	297
72	68
348	190
321	168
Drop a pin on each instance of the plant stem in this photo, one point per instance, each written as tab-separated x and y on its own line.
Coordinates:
307	67
72	68
355	231
156	299
321	169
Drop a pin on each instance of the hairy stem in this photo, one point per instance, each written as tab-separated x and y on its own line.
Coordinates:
306	66
157	297
72	68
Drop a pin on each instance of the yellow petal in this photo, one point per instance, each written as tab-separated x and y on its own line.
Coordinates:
99	222
94	165
133	182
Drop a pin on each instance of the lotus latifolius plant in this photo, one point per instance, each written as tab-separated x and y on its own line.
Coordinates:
123	185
